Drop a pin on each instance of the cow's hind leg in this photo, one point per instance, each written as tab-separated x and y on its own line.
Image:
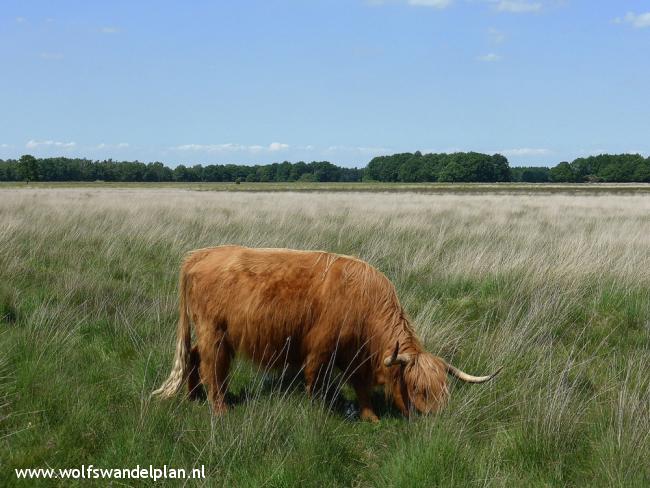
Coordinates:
194	387
215	356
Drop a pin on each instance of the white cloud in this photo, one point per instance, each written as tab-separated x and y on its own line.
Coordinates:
278	146
496	36
636	20
207	147
229	147
489	58
525	152
517	6
4	146
33	144
514	6
360	149
103	145
430	3
110	30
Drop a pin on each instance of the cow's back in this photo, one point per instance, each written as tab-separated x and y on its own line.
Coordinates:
279	302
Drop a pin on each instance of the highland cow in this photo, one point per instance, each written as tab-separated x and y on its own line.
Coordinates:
305	309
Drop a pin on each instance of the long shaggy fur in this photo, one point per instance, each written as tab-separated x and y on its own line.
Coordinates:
305	309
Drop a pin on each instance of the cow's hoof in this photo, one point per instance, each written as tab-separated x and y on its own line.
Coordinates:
219	410
369	417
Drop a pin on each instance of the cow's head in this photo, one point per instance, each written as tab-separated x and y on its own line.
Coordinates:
419	381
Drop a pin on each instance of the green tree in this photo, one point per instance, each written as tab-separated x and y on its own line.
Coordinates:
181	173
325	171
620	168
642	172
28	167
297	170
562	173
453	172
386	168
409	171
283	171
501	171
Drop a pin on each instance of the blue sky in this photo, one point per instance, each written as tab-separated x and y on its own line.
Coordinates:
260	81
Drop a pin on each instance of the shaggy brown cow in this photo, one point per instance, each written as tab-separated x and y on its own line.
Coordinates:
307	309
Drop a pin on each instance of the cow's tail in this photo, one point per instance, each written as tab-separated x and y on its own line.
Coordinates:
174	383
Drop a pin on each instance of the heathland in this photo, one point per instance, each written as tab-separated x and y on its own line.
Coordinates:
552	285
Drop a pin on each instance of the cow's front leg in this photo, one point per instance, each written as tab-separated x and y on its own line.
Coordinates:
215	357
366	411
315	367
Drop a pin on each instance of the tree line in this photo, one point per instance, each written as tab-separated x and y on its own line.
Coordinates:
456	167
402	167
79	169
619	168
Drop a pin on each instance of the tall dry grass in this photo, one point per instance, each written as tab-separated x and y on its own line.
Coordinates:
555	288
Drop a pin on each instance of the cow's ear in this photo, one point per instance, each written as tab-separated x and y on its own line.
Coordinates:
396	358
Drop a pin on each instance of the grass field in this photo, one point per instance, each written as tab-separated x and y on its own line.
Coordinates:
553	286
365	187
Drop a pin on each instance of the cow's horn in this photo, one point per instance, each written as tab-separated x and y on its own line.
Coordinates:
396	358
468	378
